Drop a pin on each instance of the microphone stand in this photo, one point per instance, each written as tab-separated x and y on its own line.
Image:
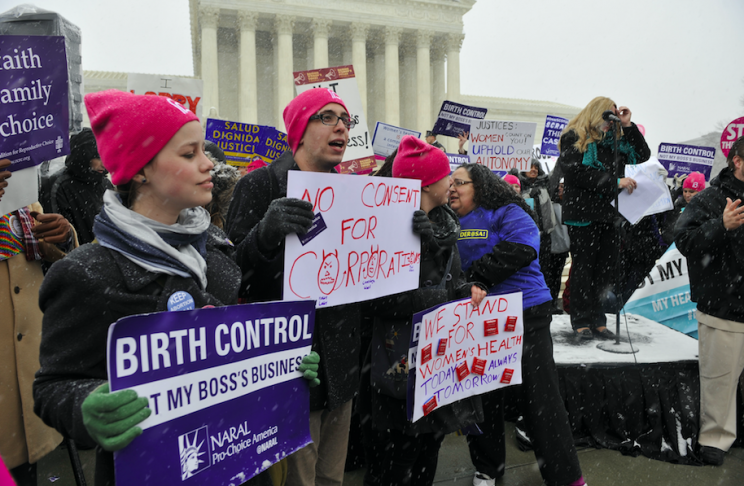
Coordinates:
616	346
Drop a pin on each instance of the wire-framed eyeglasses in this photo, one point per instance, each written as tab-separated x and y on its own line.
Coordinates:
458	182
331	119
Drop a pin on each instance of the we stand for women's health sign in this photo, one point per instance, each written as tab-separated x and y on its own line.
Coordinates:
34	106
227	400
459	351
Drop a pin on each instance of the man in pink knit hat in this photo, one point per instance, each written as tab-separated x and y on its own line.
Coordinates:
260	218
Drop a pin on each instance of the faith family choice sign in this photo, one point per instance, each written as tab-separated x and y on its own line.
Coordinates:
34	109
227	400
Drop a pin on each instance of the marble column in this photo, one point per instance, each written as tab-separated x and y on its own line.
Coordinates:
423	81
408	84
392	80
209	17
358	33
283	26
321	29
376	99
437	78
454	43
248	89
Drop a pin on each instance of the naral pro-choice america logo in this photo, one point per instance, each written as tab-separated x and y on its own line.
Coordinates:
194	450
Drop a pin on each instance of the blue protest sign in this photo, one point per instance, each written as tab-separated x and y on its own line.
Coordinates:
227	400
241	142
456	160
387	138
455	118
684	159
34	107
554	125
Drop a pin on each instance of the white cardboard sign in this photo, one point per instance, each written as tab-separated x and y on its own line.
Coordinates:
361	245
502	145
187	92
464	351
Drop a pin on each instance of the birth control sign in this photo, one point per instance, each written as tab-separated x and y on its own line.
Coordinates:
458	351
34	109
227	400
361	244
685	159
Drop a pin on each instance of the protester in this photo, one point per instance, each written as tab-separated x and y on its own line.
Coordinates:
587	162
27	237
506	261
559	246
155	239
431	138
462	137
259	219
709	233
406	453
692	185
77	193
224	178
513	181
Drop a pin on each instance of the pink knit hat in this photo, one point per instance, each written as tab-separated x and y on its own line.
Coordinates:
131	129
695	181
417	159
298	112
512	179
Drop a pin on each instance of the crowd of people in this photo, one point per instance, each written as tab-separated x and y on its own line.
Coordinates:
174	217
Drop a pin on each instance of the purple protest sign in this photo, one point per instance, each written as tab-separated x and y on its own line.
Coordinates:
455	118
34	109
554	125
227	400
241	142
684	159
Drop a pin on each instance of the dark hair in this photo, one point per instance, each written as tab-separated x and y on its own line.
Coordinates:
491	191
128	192
387	168
737	148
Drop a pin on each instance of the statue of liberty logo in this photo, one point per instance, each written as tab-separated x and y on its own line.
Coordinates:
192	446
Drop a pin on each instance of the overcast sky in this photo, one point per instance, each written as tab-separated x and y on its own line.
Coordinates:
677	64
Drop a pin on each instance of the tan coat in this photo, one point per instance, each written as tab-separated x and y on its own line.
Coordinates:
23	436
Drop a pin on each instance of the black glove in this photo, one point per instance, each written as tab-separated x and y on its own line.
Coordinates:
422	225
284	216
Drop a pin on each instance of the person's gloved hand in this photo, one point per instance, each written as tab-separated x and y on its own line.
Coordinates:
4	174
284	216
422	225
111	418
309	369
53	228
679	179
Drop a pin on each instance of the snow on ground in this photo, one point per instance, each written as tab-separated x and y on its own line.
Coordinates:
656	343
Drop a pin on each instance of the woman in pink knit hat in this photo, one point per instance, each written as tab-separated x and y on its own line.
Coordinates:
692	185
401	452
153	241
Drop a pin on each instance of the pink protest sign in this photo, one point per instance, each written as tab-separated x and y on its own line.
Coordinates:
731	133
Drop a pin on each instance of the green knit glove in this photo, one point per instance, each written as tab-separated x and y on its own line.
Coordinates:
111	418
309	369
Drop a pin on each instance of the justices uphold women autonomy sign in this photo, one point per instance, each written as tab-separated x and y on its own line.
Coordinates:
227	400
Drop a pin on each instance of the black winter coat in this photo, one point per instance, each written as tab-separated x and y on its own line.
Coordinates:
715	256
396	311
81	296
588	192
336	337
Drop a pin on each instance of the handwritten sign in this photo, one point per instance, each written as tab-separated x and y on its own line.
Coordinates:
684	159
227	400
34	105
460	351
361	245
245	144
185	91
455	118
554	125
502	145
387	138
342	80
731	134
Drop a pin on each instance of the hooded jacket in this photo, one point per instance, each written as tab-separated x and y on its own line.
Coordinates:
715	256
77	194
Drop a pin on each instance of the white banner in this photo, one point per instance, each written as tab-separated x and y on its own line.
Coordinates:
361	245
185	91
502	145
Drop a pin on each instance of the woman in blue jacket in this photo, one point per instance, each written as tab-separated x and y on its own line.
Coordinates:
506	260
